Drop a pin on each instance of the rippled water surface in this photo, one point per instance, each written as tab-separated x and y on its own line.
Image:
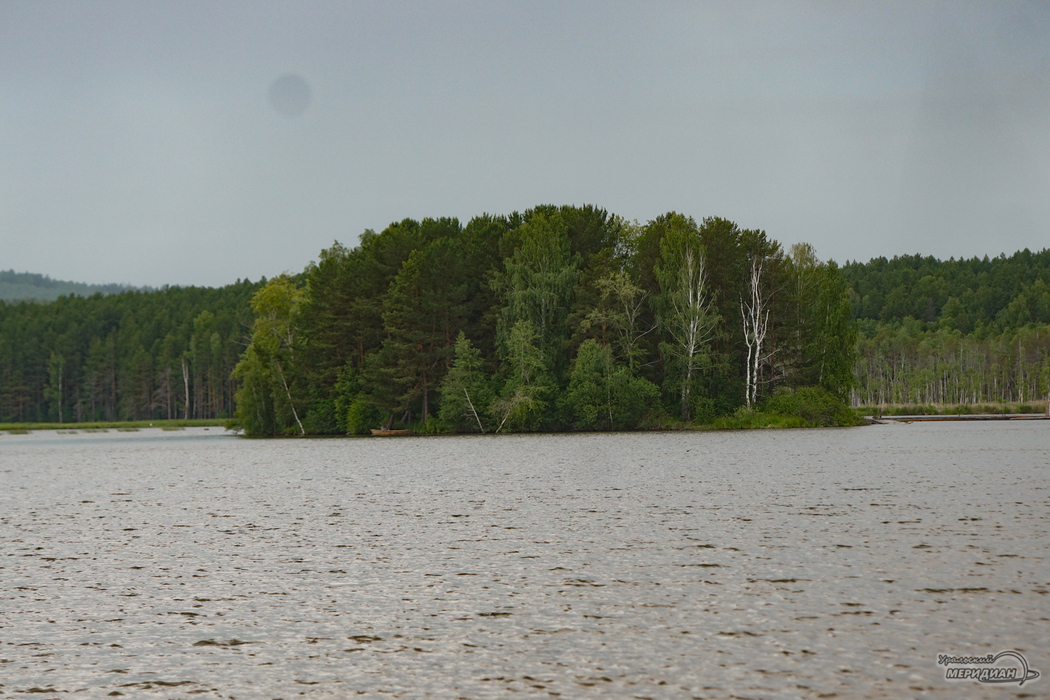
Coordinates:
801	563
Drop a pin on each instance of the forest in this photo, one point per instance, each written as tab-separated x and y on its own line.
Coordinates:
168	353
555	318
952	332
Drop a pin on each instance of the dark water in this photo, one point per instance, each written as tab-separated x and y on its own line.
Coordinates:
830	563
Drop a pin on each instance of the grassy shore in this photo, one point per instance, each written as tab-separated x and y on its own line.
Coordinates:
116	425
788	416
951	409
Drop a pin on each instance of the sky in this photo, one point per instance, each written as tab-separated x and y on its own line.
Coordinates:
197	143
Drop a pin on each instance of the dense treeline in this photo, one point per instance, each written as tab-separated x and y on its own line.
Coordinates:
956	331
905	362
975	295
555	318
131	356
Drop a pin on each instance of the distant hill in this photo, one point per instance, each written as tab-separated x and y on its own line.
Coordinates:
29	286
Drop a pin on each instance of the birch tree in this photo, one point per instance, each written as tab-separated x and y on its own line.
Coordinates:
624	309
465	393
686	312
764	279
523	402
537	284
755	310
265	400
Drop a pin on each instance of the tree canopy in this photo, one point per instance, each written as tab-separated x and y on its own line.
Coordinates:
955	331
555	318
167	353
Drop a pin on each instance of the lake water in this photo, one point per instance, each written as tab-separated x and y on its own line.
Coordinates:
762	564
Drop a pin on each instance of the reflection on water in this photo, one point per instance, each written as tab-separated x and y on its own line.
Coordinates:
795	563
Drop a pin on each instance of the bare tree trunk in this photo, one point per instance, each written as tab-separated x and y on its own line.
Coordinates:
755	315
473	410
692	323
288	393
186	385
426	404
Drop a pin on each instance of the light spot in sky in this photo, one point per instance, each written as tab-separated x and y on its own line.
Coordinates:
290	95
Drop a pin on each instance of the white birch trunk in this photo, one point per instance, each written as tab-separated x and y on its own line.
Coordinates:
755	315
291	404
186	384
693	325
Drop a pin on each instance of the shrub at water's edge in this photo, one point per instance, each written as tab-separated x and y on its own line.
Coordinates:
805	407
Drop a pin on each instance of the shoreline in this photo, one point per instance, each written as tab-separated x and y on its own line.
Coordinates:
946	417
117	425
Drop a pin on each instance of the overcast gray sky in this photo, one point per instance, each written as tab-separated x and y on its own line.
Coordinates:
147	142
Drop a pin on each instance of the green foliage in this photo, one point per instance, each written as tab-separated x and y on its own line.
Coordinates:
951	409
953	332
361	416
538	282
640	307
602	396
908	363
805	407
328	409
466	393
347	387
121	426
623	311
704	409
685	308
135	355
267	370
813	404
391	309
522	405
574	318
55	390
830	356
1005	292
751	418
322	418
428	305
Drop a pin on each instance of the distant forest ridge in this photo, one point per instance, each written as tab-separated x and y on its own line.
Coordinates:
30	286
